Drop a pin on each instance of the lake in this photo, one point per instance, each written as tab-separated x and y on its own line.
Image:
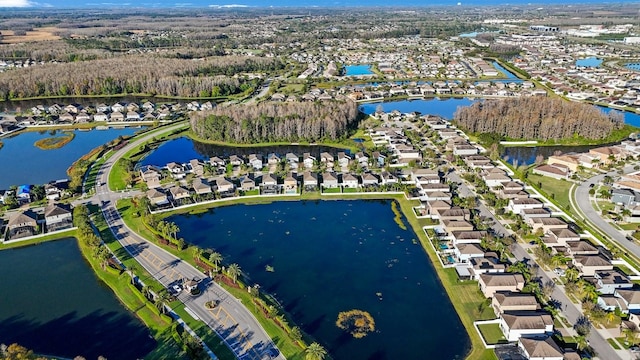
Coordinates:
436	106
31	165
183	149
589	62
635	66
333	256
508	74
526	155
357	70
54	304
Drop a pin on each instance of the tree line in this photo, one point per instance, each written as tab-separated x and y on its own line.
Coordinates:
538	118
271	121
129	74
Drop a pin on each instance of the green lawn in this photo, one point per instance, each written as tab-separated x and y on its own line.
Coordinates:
614	344
350	190
492	334
213	341
251	192
555	189
331	190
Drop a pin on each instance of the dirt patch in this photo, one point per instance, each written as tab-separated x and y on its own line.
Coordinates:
41	34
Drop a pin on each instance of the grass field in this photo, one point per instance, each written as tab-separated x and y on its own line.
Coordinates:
554	188
492	334
41	34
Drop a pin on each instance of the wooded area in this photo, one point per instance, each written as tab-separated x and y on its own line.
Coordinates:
133	74
271	121
537	118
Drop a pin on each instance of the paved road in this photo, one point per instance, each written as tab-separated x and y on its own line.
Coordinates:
583	205
230	319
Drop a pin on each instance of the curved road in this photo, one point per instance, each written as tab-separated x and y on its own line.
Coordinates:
230	319
582	201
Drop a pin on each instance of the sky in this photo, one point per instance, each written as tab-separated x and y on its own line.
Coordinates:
274	3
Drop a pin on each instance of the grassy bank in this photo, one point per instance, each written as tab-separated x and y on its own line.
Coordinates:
39	240
464	295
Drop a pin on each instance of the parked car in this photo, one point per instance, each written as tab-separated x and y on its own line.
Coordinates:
559	271
176	289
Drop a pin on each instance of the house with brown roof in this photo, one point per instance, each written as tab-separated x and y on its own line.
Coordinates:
309	180
568	161
433	187
425	176
546	223
535	213
329	180
451	226
369	179
607	154
349	181
468	237
517	324
513	301
197	167
465	252
22	224
540	349
201	186
455	213
247	183
631	299
178	193
589	264
432	207
290	184
582	247
223	185
157	197
437	195
491	283
485	265
563	236
555	171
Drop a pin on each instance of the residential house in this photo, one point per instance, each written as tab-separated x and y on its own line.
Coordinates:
369	179
225	186
468	237
492	283
607	282
58	217
607	154
255	160
292	160
217	162
495	179
631	299
329	180
546	224
132	116
535	213
579	248
513	301
563	236
626	197
425	176
349	181
56	189
517	324
432	207
540	349
485	265
101	117
328	159
464	150
555	171
83	117
517	205
388	178
589	264
201	186
441	187
177	170
197	167
236	160
290	184
118	107
22	224
273	159
269	184
133	107
436	195
247	183
67	118
308	161
148	106
103	108
451	226
568	161
157	197
23	194
309	180
148	172
343	160
178	193
465	252
116	116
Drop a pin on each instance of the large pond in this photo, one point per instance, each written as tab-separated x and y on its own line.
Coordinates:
24	163
183	149
436	106
333	256
54	304
589	62
526	155
357	70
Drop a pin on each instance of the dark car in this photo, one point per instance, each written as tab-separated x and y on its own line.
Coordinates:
273	352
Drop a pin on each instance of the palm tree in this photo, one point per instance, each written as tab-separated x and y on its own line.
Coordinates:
215	257
130	269
146	291
197	253
572	274
234	271
161	301
315	351
173	230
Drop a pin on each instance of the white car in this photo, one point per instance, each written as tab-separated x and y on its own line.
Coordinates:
559	271
176	289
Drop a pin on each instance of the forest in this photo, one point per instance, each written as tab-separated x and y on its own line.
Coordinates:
134	75
272	121
535	118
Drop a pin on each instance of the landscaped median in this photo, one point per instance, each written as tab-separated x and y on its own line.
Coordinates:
464	295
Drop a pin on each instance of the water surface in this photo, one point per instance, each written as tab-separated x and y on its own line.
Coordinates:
589	62
53	303
23	163
356	70
332	256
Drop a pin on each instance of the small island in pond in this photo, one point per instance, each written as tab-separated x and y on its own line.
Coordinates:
356	322
54	142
